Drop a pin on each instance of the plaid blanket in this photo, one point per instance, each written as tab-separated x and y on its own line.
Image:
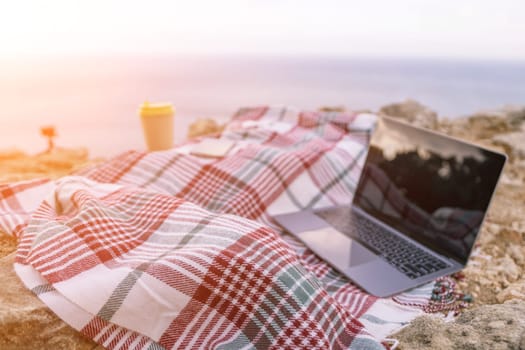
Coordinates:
167	250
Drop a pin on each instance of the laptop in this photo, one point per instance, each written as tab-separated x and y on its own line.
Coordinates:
416	212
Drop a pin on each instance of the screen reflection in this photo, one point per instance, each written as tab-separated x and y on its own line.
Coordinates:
432	188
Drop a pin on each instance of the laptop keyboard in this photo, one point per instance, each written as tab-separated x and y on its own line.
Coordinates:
403	255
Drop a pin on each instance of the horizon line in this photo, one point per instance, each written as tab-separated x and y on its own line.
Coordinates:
30	56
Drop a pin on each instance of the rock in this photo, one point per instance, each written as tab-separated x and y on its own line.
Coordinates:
413	112
476	127
515	115
204	127
486	327
514	144
482	126
11	154
7	244
517	251
513	291
27	323
339	109
486	124
18	166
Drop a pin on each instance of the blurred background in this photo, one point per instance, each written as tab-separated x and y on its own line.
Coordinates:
85	67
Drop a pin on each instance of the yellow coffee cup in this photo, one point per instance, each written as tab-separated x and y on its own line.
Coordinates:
157	124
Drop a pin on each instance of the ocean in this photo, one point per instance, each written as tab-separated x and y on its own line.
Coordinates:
93	101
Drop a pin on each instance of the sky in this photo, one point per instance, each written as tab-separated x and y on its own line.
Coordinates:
465	29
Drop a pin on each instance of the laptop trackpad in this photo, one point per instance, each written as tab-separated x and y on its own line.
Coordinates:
336	248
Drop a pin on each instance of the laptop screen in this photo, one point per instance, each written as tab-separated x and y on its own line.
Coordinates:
428	186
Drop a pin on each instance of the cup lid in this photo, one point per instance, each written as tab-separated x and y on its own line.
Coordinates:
148	109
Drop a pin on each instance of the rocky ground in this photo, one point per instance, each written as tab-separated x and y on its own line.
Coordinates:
495	275
487	327
17	166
